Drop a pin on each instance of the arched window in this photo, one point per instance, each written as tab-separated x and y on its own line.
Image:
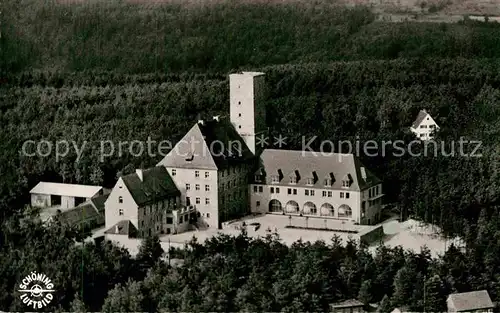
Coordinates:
275	206
292	207
309	208
345	211
327	210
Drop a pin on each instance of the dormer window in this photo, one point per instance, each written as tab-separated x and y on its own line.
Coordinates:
294	177
328	182
310	181
346	183
258	178
275	179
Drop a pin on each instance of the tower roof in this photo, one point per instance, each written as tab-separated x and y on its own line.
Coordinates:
253	74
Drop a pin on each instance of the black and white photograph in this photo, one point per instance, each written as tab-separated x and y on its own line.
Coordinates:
250	156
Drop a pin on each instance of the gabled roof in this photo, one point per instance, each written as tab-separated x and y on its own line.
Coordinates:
306	162
71	190
124	227
99	201
207	146
156	185
469	301
83	212
420	117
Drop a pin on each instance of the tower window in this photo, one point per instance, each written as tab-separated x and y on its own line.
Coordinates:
173	172
120	212
239	114
239	102
239	126
120	199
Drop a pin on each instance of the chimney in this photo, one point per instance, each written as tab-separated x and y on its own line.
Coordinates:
139	173
200	122
216	118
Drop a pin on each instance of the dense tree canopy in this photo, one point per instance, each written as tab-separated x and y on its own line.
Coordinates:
233	274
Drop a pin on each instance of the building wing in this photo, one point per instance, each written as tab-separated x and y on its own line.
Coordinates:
303	163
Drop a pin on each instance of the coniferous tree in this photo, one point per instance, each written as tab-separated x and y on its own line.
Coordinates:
365	292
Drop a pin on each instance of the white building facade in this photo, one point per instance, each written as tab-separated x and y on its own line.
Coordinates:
310	184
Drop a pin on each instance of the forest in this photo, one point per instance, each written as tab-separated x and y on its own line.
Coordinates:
239	274
86	72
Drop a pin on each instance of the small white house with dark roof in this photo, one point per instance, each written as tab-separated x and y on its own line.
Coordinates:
424	126
474	301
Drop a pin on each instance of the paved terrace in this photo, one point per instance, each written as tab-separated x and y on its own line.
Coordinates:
408	234
270	223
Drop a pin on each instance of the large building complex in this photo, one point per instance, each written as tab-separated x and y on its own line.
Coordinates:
313	184
217	172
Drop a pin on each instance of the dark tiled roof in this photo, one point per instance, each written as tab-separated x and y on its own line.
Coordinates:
347	304
124	227
420	117
83	212
98	202
206	146
308	164
156	184
469	301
